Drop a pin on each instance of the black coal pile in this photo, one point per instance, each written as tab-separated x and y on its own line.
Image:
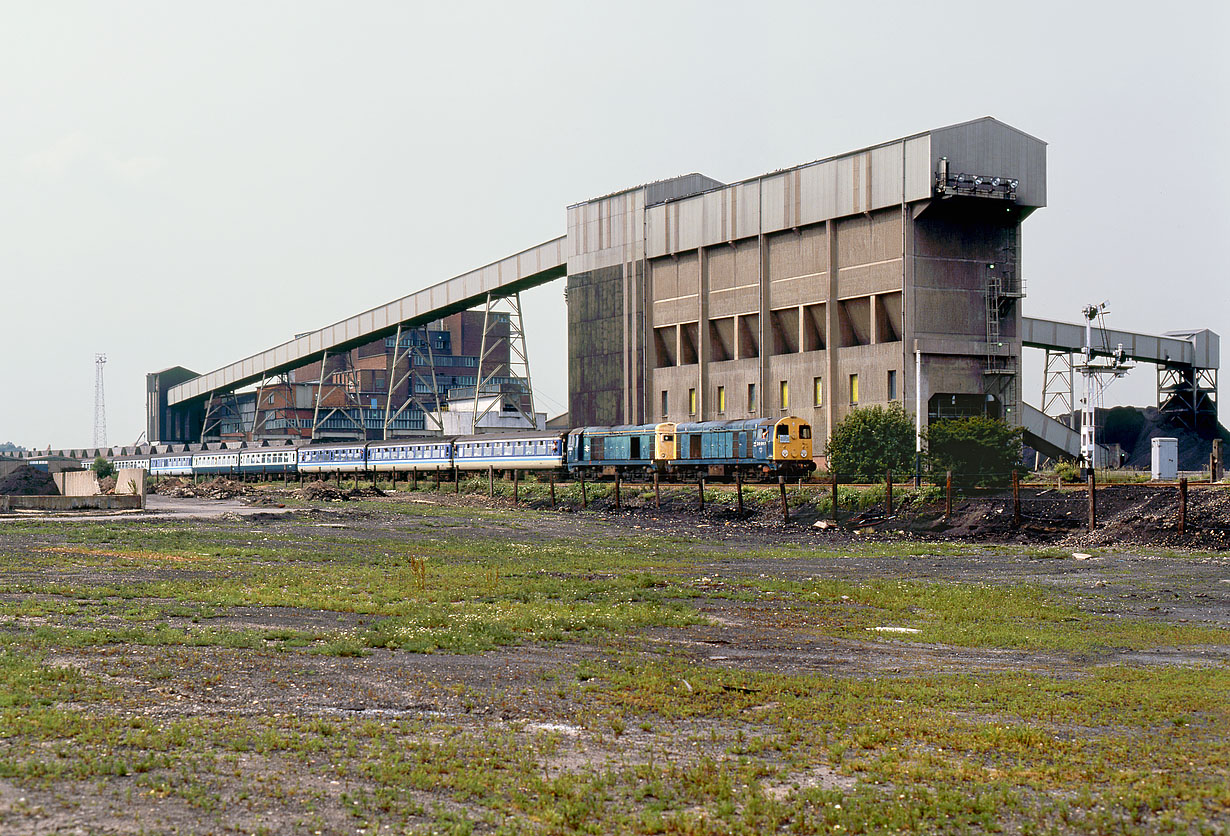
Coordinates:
1134	429
28	481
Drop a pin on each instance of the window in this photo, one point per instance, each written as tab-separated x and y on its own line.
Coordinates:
691	402
721	399
751	397
663	403
892	384
853	390
817	390
783	390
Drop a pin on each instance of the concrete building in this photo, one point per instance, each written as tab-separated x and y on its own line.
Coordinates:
809	290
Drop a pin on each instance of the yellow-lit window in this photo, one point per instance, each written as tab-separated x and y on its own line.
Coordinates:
721	398
817	388
853	390
784	392
691	402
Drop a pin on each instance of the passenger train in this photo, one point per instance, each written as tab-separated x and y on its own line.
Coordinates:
762	448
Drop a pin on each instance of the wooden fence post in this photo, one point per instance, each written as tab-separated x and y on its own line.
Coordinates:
414	479
1182	506
617	490
584	498
1016	499
834	496
739	490
781	486
888	493
553	492
491	481
516	486
947	494
657	493
700	484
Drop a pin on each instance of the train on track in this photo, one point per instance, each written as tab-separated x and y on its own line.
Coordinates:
763	448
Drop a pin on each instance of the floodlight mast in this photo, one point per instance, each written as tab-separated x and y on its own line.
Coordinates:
1093	385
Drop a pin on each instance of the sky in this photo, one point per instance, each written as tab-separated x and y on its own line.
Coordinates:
188	184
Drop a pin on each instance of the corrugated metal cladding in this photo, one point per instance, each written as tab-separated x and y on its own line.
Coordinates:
886	175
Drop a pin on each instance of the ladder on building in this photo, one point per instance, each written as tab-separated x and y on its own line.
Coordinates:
1003	288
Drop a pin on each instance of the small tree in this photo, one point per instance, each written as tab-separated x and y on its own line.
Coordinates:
872	440
978	450
102	468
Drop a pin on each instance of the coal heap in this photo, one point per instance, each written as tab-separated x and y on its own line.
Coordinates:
28	481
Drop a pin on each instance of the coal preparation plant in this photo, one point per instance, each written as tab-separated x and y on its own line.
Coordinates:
887	275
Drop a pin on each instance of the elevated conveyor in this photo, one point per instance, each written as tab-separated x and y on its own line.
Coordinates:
1198	349
1187	364
527	269
1049	437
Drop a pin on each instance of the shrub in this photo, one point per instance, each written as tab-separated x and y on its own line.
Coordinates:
1068	471
872	440
102	468
978	450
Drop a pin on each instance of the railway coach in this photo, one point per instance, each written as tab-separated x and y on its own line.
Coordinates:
524	450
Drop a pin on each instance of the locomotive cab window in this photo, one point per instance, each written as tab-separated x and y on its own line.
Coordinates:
804	431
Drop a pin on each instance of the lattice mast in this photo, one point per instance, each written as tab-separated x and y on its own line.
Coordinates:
100	404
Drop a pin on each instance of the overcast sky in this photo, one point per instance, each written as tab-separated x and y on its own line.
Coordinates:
187	184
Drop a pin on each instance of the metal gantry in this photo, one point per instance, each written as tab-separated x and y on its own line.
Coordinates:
1058	385
219	407
100	403
413	378
518	358
344	380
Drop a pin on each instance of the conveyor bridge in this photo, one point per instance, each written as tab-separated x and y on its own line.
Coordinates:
1187	364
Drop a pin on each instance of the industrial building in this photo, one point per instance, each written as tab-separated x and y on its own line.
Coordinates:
808	291
889	274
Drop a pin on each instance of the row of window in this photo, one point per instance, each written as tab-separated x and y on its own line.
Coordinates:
783	394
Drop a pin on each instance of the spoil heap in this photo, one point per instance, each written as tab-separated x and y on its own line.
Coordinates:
28	481
1134	429
219	488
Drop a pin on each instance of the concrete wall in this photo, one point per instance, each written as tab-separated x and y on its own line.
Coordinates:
71	503
130	482
76	483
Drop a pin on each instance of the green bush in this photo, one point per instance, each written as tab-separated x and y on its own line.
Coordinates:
978	450
870	441
102	468
1068	471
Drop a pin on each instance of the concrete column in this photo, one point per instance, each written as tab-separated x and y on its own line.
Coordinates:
704	351
833	387
764	405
